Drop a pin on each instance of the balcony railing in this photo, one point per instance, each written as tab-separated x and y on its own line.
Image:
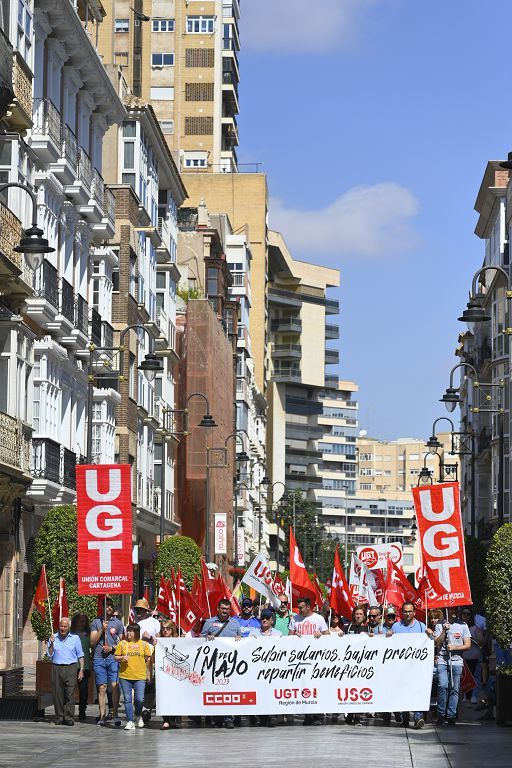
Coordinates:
14	443
107	335
47	120
69	146
85	168
22	84
287	325
95	327
109	204
46	463
67	300
98	187
68	466
82	315
10	234
54	462
47	284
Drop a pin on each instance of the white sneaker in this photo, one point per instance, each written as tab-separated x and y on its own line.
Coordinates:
130	726
140	723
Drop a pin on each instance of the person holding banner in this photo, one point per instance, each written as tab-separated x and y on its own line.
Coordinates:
134	656
451	638
410	624
222	625
283	615
105	635
247	619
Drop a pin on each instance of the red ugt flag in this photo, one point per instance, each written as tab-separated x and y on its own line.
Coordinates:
41	595
339	599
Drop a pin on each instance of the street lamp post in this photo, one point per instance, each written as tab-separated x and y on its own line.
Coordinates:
33	245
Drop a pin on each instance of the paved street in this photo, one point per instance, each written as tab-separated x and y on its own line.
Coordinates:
469	745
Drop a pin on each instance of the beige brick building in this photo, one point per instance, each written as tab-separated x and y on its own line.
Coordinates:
182	57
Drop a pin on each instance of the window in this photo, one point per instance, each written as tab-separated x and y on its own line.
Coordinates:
366	486
195	162
162	59
200	57
130	129
24	29
121	25
129	155
213	282
200	24
198	126
163	25
167	126
128	178
199	92
121	59
162	94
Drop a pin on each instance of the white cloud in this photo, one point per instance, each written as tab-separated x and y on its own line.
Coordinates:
301	26
364	222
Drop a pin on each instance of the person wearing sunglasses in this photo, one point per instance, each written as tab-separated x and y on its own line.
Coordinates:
409	624
169	629
283	615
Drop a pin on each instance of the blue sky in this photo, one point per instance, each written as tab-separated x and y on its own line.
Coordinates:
374	120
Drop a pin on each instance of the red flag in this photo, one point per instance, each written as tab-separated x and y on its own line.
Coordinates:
320	599
339	599
41	595
403	591
187	610
146	593
429	587
299	577
467	681
164	600
210	591
279	585
131	616
60	608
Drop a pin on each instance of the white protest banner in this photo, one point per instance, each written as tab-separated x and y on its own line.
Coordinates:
376	555
259	577
269	675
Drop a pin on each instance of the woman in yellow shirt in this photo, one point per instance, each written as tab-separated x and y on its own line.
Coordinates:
134	656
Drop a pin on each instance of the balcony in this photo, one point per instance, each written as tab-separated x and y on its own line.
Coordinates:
107	337
332	307
81	315
54	463
332	381
43	304
105	229
14	444
229	132
12	264
95	327
286	373
80	188
230	91
286	325
287	351
46	134
21	117
284	298
67	301
332	331
93	209
332	357
65	169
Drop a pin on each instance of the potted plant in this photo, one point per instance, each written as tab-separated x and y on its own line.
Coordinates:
499	614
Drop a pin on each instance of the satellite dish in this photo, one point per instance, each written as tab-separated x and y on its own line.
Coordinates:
363	432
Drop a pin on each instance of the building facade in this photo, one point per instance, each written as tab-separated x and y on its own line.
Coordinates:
182	56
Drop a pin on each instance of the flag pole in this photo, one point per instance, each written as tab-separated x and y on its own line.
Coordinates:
179	598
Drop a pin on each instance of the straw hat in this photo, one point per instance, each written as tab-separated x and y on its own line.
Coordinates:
142	603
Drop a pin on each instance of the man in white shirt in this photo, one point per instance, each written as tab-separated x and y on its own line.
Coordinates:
451	639
306	622
149	625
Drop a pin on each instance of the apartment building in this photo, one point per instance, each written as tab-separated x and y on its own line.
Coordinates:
51	142
299	310
148	191
484	348
182	56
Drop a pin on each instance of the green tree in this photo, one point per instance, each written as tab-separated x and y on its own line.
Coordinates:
476	554
499	579
178	552
56	548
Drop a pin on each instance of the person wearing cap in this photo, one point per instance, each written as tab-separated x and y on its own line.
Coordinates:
105	635
149	625
222	625
389	620
246	619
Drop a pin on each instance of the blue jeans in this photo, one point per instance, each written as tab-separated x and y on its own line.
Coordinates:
137	686
448	693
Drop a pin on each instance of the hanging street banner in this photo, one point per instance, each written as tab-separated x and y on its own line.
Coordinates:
104	529
442	541
293	675
376	555
221	530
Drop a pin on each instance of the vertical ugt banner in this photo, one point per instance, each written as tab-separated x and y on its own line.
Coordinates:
442	541
104	516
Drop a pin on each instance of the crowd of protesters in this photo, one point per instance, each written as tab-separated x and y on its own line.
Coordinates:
122	658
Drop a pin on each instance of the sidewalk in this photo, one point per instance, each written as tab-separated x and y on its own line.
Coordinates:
471	744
